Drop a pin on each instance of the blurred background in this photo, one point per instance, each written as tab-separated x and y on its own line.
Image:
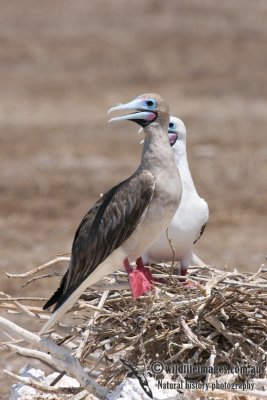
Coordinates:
64	63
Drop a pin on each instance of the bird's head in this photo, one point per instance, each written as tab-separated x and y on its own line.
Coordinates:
176	131
149	108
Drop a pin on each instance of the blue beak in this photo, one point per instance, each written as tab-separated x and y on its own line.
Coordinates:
142	116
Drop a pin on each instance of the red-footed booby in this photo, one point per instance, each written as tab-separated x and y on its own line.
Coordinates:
125	221
192	214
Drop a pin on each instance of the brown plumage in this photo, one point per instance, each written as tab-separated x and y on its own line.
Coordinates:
103	229
129	217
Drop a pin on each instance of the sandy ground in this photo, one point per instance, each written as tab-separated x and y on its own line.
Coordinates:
64	63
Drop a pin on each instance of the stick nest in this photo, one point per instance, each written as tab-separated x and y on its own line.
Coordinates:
217	318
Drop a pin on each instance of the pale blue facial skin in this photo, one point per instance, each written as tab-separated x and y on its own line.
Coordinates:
172	133
148	105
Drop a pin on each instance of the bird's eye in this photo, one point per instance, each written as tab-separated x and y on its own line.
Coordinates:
150	103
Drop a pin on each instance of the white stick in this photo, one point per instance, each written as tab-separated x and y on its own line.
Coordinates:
85	335
35	384
63	358
47	358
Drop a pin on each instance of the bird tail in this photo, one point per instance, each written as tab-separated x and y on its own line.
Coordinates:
66	300
57	295
64	307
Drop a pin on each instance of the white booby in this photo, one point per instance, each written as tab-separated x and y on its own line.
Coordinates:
192	214
125	221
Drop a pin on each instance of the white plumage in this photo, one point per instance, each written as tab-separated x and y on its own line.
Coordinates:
192	214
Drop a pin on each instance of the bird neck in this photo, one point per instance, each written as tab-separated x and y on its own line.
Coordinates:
156	151
180	155
181	161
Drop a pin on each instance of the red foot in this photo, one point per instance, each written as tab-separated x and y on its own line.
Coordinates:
189	284
140	278
139	283
127	266
183	271
184	282
140	263
147	272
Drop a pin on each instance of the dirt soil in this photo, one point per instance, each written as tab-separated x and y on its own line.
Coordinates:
64	63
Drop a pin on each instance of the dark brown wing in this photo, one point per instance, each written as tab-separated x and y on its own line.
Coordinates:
201	232
110	221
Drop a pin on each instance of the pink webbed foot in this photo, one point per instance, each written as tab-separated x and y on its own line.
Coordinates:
140	278
140	266
189	284
147	272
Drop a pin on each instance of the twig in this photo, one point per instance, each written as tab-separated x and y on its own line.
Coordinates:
63	358
39	355
219	327
211	364
191	336
9	298
36	278
173	254
40	386
15	306
57	379
39	268
228	315
246	284
112	286
85	335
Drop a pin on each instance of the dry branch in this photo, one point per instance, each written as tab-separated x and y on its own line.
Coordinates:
36	385
220	321
64	359
39	268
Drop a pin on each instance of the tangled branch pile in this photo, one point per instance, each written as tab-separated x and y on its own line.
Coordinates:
219	320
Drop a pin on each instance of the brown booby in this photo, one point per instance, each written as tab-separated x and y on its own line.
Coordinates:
125	221
191	216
